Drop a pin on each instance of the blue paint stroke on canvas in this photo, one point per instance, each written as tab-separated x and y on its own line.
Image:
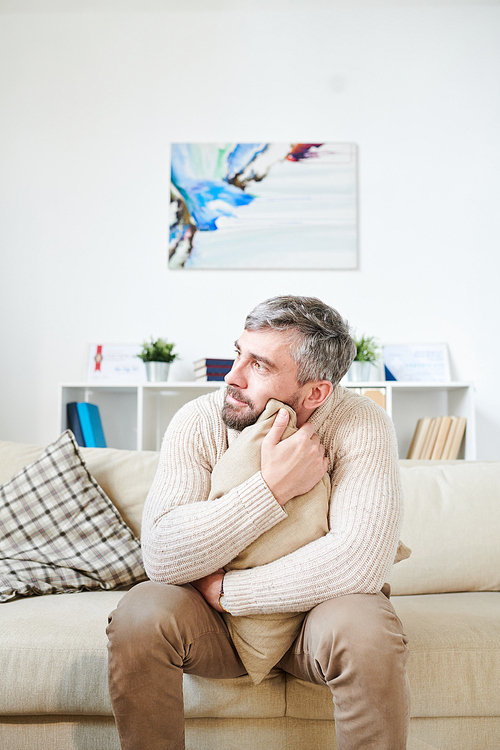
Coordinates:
262	205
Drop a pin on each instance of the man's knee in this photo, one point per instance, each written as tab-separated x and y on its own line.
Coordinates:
361	625
147	609
156	611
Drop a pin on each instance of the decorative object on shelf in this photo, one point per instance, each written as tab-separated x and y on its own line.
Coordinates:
424	363
367	353
212	369
115	363
157	356
263	205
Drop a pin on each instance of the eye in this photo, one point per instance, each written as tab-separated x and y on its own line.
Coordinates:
258	366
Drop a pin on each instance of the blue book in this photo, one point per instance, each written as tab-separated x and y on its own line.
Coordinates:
73	421
90	422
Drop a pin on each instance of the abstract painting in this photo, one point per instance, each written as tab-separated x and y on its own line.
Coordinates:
263	206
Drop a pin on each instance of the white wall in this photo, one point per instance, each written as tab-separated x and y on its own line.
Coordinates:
93	94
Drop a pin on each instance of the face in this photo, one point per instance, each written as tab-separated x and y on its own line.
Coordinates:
263	369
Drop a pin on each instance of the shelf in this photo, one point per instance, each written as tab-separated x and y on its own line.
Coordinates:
135	417
407	402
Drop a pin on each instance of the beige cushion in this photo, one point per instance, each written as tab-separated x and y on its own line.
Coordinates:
454	641
454	665
53	656
125	476
261	640
452	524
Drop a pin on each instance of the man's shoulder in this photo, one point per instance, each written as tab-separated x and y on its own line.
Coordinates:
197	427
207	408
346	406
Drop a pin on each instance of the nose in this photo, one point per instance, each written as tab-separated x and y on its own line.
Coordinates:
236	375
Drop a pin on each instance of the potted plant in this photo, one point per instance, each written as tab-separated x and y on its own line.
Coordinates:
367	353
157	356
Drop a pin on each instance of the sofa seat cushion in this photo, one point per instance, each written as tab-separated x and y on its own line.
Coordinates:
454	665
53	660
53	656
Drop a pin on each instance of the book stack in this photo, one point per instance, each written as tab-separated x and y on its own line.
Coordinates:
437	438
84	421
212	369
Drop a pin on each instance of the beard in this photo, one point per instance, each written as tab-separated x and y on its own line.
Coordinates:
233	417
237	420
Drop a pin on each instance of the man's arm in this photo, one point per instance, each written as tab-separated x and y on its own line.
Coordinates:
365	519
184	536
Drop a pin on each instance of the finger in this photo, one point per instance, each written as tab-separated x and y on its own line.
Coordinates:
279	426
307	430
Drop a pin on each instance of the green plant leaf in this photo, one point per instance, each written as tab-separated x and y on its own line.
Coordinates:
367	349
158	350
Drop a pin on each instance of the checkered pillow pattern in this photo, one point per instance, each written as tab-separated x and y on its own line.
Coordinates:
59	532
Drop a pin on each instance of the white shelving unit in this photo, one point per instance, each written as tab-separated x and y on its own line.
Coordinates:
135	417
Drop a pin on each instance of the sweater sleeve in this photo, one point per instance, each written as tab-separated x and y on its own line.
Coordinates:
357	553
184	535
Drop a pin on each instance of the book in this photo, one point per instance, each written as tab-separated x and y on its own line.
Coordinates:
375	394
212	369
201	371
430	439
209	378
442	434
437	438
73	422
91	425
208	362
454	442
419	437
449	439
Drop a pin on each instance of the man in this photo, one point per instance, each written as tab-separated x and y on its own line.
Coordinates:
296	350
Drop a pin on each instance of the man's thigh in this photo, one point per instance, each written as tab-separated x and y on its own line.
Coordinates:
353	628
175	625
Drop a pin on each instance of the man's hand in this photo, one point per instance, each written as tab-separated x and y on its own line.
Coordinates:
293	466
209	587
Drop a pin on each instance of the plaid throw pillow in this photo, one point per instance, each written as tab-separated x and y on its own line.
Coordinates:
59	532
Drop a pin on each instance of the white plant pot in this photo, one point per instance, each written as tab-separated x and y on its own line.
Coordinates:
359	371
157	372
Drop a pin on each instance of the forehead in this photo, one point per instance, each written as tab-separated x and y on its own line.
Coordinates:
269	344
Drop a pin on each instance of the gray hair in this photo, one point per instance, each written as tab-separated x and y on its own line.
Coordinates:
321	344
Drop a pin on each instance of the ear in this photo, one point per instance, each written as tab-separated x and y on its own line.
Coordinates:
317	393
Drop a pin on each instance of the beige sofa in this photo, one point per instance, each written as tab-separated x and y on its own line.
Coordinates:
53	686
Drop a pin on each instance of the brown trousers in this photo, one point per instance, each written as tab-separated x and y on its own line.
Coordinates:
354	644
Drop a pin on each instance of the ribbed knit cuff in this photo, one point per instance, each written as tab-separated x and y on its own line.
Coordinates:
238	595
260	503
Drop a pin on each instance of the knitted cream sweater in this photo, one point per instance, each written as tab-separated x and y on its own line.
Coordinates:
184	539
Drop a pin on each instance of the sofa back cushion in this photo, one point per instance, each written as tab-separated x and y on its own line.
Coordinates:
452	525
